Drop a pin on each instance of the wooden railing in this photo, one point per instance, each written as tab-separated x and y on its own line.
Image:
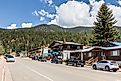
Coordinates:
91	61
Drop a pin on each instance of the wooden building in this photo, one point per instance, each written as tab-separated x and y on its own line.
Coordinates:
34	51
108	53
90	54
59	47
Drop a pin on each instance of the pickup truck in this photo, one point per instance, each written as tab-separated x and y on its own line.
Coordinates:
75	62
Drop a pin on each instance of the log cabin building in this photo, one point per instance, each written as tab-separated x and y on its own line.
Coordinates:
59	47
92	54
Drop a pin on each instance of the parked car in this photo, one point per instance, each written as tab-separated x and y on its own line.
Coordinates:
106	65
6	55
75	62
57	60
34	57
42	59
10	59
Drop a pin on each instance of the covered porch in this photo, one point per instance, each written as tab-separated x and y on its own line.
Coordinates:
96	53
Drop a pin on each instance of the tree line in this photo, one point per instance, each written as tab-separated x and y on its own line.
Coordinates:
26	39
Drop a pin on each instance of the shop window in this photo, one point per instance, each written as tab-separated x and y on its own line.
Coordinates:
115	53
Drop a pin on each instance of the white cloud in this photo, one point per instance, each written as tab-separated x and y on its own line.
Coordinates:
26	25
43	14
49	2
74	13
54	21
35	13
119	1
42	18
116	13
12	26
95	7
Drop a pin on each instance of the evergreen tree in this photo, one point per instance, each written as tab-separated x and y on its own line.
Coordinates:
104	30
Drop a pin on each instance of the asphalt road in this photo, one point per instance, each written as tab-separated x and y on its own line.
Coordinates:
28	70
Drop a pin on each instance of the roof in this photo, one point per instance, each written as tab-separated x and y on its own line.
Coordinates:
68	43
57	43
116	43
91	48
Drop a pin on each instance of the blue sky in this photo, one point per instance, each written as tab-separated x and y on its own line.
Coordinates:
19	11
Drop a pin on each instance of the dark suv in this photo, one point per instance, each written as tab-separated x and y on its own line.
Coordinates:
56	60
75	62
42	59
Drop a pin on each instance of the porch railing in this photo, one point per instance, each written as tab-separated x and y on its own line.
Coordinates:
91	60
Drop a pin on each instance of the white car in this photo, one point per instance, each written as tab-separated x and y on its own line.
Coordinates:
106	65
10	59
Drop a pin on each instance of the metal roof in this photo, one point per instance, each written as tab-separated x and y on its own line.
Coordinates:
68	43
91	48
116	43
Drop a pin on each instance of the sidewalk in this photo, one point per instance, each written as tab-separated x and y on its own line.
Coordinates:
4	71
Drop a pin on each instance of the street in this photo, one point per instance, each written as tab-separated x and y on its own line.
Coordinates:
29	70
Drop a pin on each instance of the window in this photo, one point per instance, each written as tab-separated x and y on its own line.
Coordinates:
103	62
90	54
78	47
68	46
102	54
115	53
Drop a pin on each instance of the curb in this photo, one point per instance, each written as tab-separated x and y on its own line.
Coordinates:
119	70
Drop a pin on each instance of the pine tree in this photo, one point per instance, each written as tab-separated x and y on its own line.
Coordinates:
104	30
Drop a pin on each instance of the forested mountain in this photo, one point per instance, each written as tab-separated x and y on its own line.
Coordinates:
28	38
58	28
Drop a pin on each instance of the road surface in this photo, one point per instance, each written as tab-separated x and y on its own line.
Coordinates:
28	70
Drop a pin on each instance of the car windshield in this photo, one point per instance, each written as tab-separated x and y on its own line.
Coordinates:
10	56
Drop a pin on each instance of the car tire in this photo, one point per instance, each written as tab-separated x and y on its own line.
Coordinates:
82	65
75	64
66	63
94	67
107	68
72	64
114	70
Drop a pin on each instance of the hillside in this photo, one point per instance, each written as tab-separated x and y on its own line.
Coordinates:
58	28
29	38
52	28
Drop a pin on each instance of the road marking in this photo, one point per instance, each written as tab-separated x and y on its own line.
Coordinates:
39	74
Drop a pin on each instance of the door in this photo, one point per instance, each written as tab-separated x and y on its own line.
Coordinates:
100	65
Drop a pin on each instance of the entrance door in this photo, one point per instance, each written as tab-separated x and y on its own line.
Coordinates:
97	54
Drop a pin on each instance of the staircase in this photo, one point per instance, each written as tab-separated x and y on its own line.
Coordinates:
91	61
